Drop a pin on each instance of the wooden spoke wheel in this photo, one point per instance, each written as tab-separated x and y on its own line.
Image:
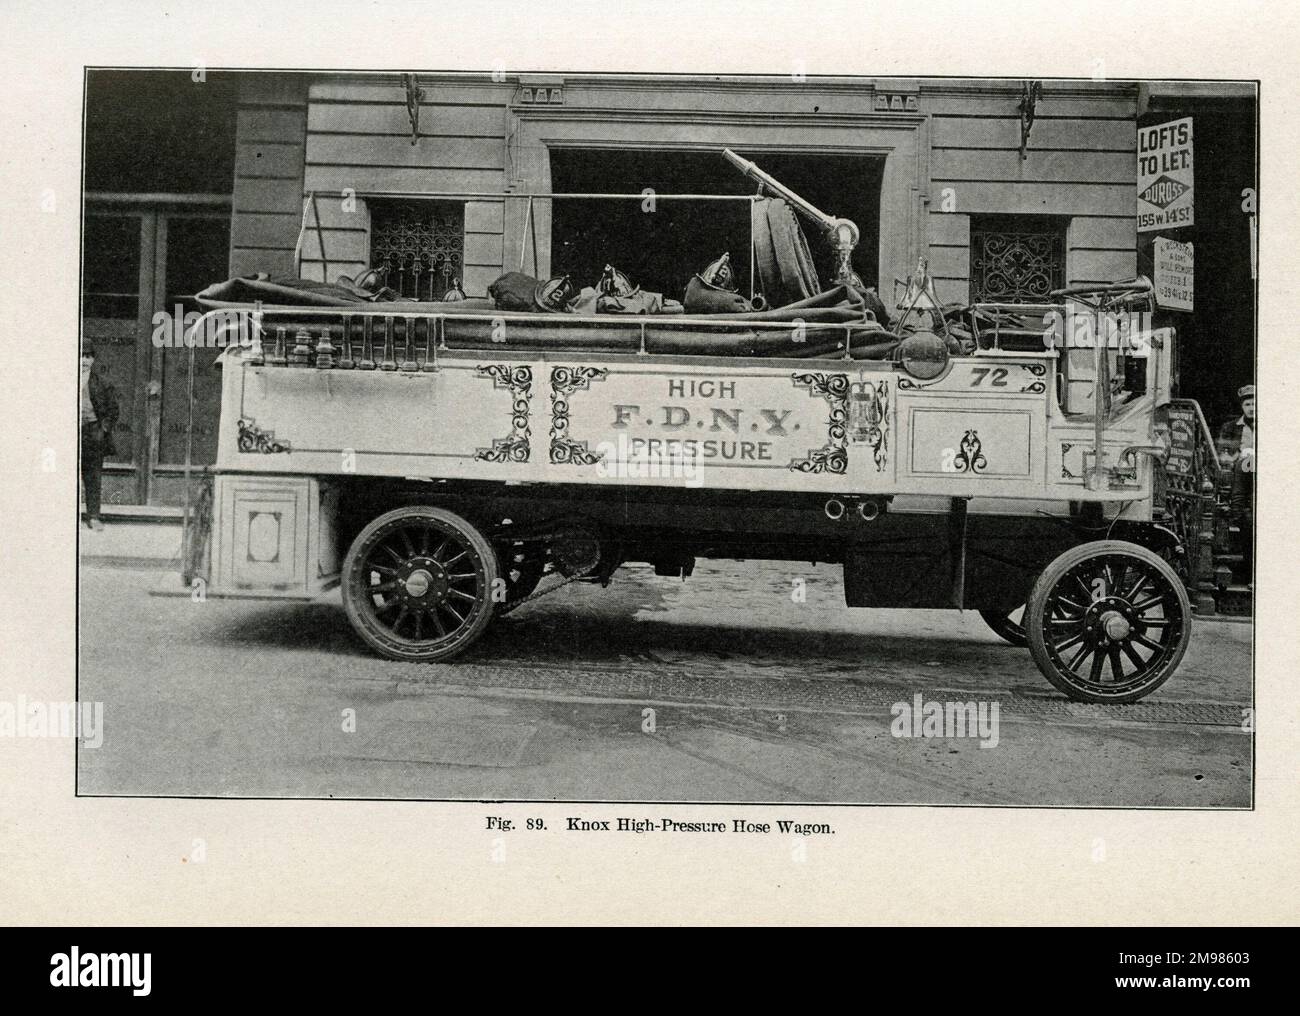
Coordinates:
1108	622
1008	624
417	584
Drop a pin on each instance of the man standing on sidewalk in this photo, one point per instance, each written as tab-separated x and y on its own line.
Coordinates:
1237	435
1237	444
98	416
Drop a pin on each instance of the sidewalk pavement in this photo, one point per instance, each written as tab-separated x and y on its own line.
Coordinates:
132	540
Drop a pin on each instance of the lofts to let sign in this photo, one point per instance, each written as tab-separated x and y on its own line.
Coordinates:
1165	180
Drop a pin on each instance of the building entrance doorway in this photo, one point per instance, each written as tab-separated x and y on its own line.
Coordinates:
140	260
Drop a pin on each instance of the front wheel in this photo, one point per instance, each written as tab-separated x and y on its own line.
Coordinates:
1108	622
418	582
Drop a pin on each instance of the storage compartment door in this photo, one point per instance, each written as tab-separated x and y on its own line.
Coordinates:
265	535
992	444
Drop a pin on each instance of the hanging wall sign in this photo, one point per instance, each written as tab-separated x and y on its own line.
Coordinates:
1183	428
1173	274
1164	154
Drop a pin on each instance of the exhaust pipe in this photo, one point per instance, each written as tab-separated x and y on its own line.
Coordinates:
834	509
868	510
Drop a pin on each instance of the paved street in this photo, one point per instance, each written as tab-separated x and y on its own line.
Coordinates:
721	688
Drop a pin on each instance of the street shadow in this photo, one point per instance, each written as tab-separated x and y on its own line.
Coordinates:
322	627
576	633
580	637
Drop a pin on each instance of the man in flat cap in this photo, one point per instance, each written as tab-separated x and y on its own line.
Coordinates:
1237	447
1237	435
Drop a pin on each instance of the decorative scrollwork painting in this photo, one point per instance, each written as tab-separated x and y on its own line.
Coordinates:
1036	371
564	382
1066	474
970	459
833	457
519	380
253	438
878	437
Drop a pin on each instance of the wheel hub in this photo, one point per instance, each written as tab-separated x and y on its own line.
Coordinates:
423	579
418	582
1115	625
1110	619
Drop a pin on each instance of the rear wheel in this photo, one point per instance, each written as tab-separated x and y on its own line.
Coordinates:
417	584
1009	625
1108	622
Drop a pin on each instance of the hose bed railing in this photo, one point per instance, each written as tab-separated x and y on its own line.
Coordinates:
387	346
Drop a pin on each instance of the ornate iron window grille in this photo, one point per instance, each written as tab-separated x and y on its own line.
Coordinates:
421	244
1016	261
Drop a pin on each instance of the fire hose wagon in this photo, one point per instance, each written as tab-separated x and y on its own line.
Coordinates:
443	463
